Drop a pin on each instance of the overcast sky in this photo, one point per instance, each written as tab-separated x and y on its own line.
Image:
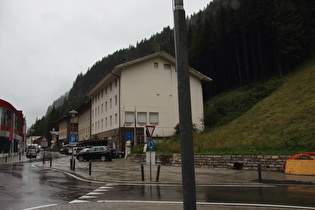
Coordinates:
45	44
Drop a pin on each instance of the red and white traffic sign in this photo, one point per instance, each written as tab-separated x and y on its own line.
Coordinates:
150	130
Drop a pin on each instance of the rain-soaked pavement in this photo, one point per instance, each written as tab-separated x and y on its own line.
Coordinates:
31	184
24	185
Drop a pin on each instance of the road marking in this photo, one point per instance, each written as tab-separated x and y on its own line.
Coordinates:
87	197
94	193
79	201
39	207
209	203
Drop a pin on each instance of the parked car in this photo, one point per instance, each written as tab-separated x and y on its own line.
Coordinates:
120	154
31	152
97	152
76	150
64	151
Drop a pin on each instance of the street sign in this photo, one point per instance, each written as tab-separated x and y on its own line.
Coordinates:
150	144
150	130
129	136
73	139
44	143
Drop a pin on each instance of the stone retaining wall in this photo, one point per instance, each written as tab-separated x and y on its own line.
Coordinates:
249	162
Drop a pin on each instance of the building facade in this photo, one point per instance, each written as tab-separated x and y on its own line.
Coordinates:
12	129
67	126
138	93
84	121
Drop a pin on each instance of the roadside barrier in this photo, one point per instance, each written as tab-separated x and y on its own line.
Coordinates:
142	173
90	168
259	173
157	173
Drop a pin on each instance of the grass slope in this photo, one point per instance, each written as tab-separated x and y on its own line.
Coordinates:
283	123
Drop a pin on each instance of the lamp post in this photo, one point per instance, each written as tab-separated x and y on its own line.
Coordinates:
72	112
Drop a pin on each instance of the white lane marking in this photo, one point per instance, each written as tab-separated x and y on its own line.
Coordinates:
209	203
87	197
39	207
94	193
79	201
106	187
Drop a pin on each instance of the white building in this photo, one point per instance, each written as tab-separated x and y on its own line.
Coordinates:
138	93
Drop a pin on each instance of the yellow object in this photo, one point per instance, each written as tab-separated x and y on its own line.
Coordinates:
300	167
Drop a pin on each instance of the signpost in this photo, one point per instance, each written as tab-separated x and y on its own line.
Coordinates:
44	144
73	140
129	136
150	144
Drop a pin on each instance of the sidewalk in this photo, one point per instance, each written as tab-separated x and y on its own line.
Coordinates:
125	171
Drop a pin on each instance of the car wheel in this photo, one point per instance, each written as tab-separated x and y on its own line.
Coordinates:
103	158
80	158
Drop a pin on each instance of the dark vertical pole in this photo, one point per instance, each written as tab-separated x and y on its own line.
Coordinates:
73	164
259	173
184	101
90	168
158	173
50	161
142	173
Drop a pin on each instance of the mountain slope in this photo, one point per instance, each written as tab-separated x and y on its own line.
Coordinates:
284	122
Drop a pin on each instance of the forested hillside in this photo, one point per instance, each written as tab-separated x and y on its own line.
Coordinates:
234	42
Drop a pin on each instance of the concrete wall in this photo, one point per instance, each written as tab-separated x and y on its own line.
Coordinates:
248	162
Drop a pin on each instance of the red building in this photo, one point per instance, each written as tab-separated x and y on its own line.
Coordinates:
12	128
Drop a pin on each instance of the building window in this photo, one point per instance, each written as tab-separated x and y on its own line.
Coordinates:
156	65
6	116
106	106
116	118
110	103
129	117
106	122
167	66
142	117
153	117
116	100
110	121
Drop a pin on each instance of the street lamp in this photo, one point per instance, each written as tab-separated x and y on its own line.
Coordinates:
72	133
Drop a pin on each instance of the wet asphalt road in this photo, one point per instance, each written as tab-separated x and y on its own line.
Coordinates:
23	185
275	195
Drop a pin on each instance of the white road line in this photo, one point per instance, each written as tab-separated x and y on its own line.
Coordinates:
79	201
100	190
94	193
106	187
39	207
87	197
210	203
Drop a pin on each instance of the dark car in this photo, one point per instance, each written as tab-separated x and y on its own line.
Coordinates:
97	152
31	153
